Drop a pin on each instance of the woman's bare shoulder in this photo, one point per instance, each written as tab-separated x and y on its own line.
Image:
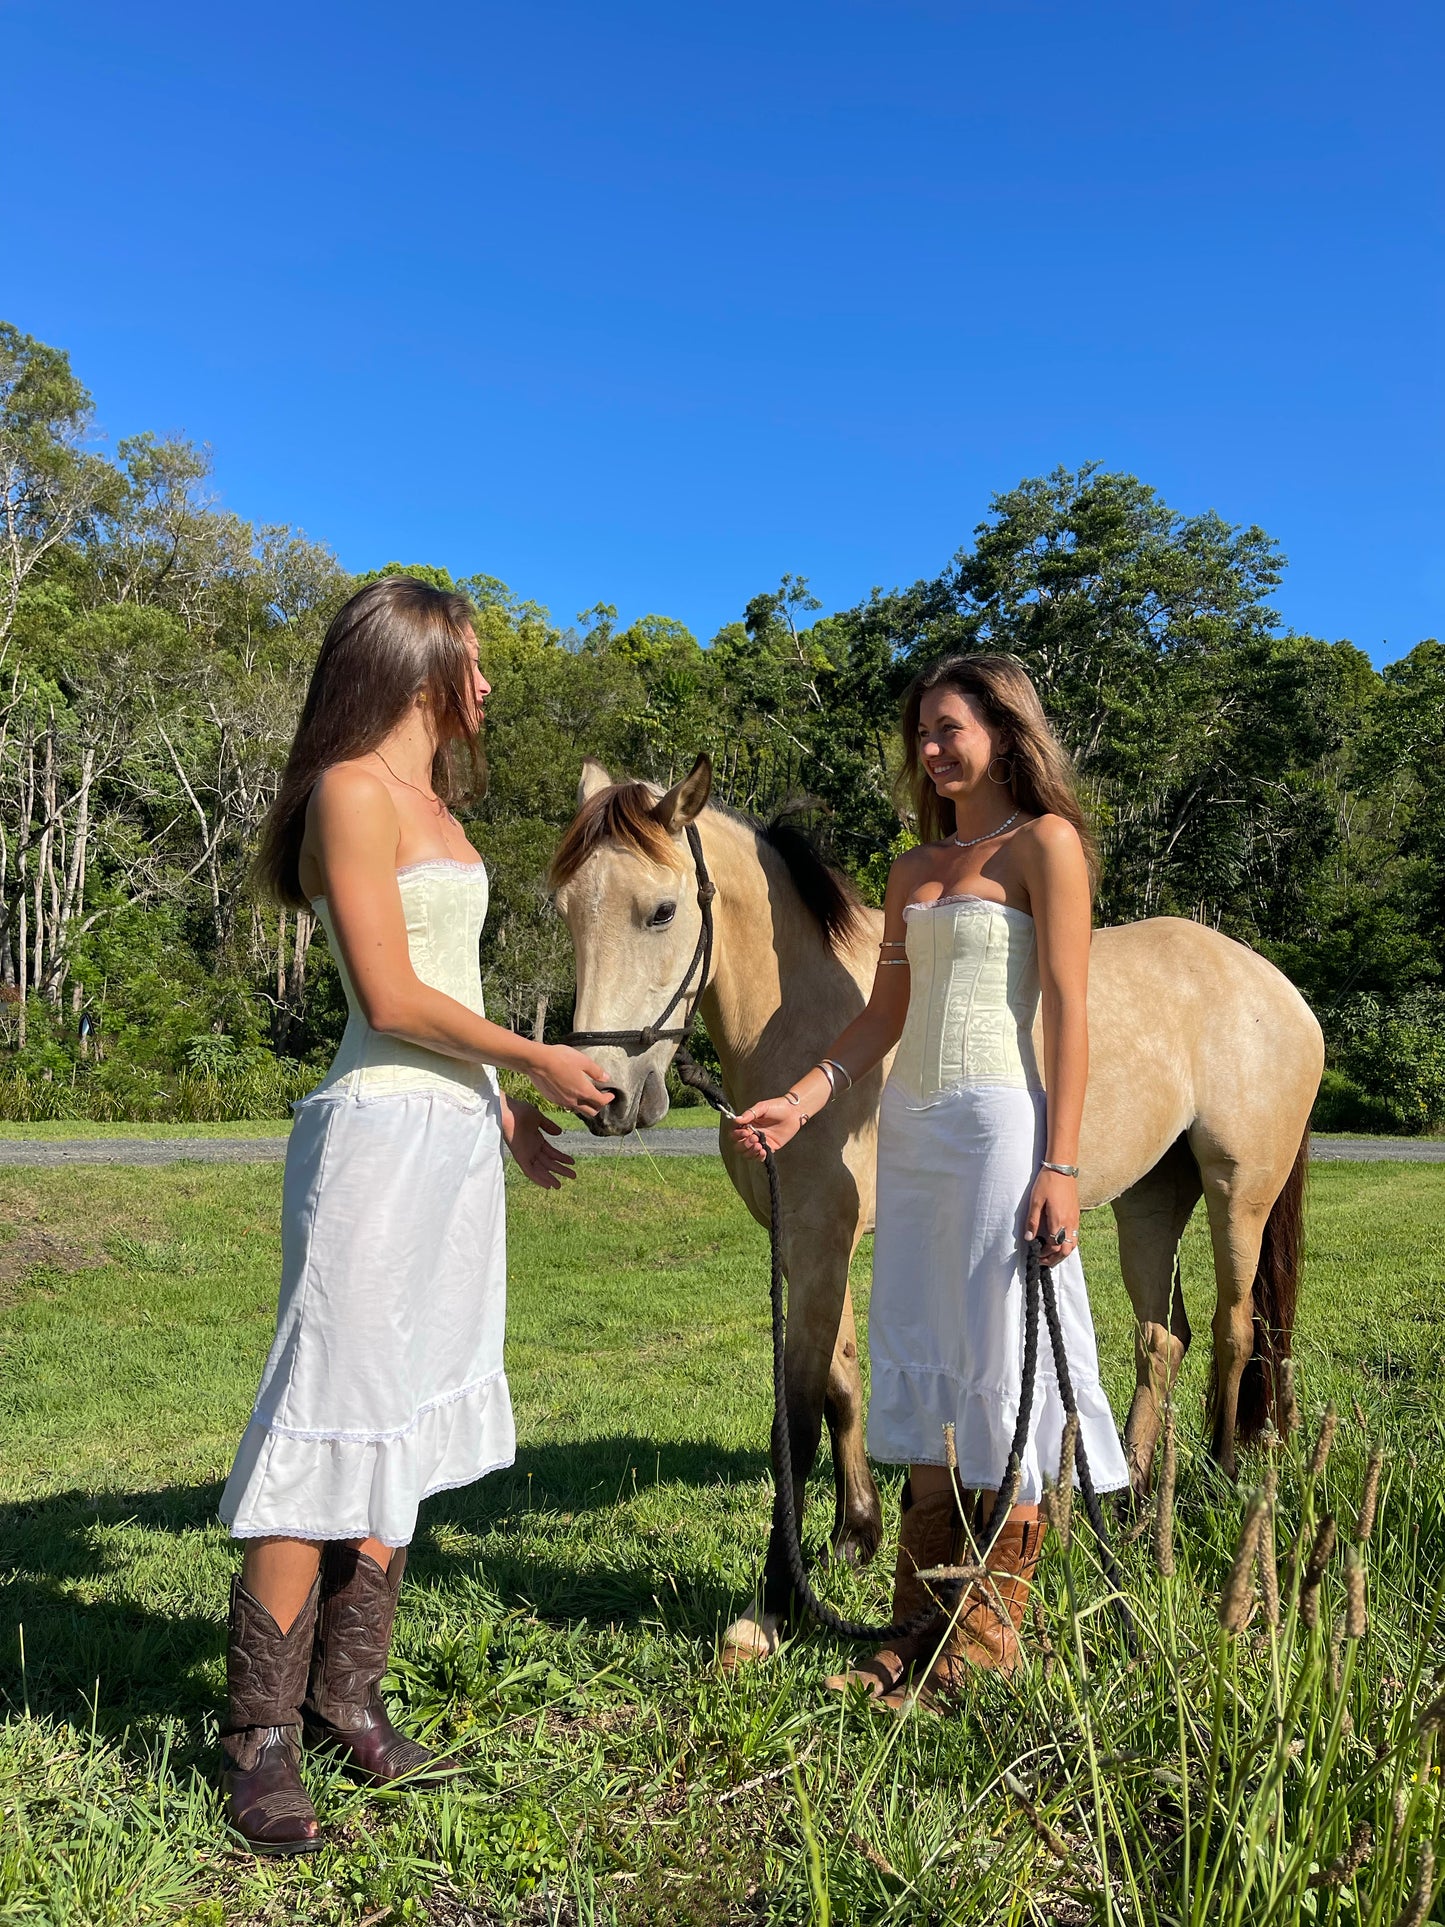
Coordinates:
914	864
1049	835
352	800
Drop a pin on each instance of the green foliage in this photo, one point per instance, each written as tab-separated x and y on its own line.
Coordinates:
1273	785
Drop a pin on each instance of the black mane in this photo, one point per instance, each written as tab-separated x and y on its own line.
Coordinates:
827	894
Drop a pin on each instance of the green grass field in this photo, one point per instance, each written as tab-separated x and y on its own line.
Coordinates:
561	1619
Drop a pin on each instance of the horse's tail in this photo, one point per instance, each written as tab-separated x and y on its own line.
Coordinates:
1276	1289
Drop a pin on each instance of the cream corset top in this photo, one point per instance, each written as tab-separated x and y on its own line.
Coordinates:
973	996
445	903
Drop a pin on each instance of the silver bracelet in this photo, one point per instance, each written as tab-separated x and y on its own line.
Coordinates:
1064	1170
828	1065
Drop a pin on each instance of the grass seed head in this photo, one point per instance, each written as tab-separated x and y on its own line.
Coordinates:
1271	1466
1325	1440
1346	1865
1370	1494
1320	1553
1238	1592
1164	1500
1357	1616
1417	1908
1268	1567
1288	1400
1064	1496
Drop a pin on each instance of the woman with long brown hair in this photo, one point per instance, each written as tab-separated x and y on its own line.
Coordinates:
385	1382
989	915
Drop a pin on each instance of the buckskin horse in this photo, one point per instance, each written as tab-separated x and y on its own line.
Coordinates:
1204	1064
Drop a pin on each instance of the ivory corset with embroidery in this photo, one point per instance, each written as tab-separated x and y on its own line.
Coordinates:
973	997
445	903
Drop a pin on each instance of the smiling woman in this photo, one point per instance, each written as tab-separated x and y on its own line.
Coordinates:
984	923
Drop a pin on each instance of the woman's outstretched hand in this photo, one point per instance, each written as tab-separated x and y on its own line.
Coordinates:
527	1133
1054	1207
777	1119
565	1077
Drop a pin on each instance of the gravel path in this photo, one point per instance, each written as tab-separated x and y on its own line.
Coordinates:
684	1142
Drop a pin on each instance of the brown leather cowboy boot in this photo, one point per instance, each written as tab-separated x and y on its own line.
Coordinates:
926	1535
265	1679
985	1635
344	1708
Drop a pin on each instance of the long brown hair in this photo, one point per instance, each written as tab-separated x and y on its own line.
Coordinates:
1043	781
391	642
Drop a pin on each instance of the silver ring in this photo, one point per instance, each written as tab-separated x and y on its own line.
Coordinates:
1062	1236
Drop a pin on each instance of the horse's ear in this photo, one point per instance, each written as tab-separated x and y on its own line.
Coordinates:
687	799
593	778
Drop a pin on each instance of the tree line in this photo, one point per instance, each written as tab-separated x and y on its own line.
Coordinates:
155	649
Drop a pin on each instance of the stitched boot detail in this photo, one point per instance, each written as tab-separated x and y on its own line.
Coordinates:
985	1635
344	1708
926	1537
265	1681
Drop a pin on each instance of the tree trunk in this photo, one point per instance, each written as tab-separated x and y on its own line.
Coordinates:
23	985
539	1022
296	983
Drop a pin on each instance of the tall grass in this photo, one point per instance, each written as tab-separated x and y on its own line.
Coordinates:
1271	1756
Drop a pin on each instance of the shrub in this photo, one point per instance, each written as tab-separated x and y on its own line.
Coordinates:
1390	1062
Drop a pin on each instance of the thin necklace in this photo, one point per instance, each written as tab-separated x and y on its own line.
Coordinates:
967	842
430	795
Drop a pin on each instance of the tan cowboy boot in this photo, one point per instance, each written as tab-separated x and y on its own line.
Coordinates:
926	1536
344	1709
985	1635
265	1679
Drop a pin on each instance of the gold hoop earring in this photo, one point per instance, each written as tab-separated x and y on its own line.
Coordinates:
1001	782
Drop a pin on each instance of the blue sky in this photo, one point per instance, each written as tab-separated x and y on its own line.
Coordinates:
649	304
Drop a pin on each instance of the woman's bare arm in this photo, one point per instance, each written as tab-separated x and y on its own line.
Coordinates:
353	834
862	1046
1052	860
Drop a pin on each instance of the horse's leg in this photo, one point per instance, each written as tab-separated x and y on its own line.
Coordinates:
1238	1201
816	1257
857	1515
1151	1216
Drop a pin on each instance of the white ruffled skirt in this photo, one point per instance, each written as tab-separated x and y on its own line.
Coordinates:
385	1382
946	1319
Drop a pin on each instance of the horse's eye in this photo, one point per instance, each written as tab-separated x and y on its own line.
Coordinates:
661	916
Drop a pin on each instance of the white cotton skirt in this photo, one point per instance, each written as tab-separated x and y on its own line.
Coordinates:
946	1319
385	1382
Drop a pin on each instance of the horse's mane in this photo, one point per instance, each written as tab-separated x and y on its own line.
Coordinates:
827	894
623	814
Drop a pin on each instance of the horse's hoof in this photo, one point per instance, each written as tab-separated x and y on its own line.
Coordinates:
747	1641
856	1545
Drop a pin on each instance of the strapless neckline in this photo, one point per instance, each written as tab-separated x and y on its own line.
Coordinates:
965	896
427	863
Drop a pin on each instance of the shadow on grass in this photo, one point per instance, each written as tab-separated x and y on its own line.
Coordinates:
97	1649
